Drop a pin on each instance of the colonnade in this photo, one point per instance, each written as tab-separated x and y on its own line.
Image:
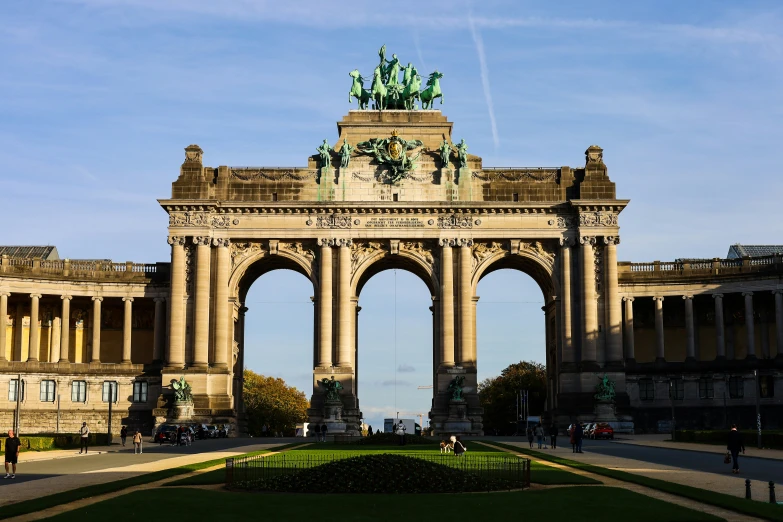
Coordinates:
61	333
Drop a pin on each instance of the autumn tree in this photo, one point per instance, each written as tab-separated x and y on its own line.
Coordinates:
269	401
498	395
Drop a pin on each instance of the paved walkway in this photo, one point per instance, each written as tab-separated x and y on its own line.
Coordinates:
17	492
725	514
663	441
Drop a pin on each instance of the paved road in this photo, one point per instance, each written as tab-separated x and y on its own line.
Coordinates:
118	457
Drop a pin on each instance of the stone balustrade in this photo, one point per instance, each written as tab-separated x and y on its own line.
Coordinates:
658	271
100	270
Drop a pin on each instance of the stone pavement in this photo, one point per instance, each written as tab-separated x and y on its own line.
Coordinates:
725	514
12	493
662	441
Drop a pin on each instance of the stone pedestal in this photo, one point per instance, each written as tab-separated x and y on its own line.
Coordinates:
182	412
606	411
456	417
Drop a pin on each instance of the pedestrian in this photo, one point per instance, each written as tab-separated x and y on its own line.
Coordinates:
137	443
180	429
84	433
324	429
12	446
369	430
734	446
123	435
401	432
459	448
264	430
579	432
530	437
378	431
553	435
540	436
572	437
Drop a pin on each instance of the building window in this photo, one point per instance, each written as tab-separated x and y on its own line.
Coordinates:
515	196
646	389
79	391
110	389
677	389
706	388
47	391
766	386
736	388
12	390
140	391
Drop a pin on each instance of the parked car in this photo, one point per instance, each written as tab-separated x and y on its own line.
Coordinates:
603	431
166	433
588	430
223	430
212	431
202	431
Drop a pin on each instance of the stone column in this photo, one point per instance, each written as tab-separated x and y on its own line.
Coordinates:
55	331
589	305
344	304
447	304
201	315
749	326
779	321
325	305
355	343
690	333
18	331
436	338
565	291
614	336
465	354
720	336
222	309
175	357
473	354
66	328
159	334
3	323
127	326
96	329
35	329
660	345
628	334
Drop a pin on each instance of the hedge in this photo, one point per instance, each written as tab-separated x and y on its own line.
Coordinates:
46	441
769	439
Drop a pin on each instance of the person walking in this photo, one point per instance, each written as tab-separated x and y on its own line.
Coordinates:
540	436
553	436
12	446
369	430
84	433
180	429
401	432
734	445
137	443
123	435
530	436
579	434
572	437
324	429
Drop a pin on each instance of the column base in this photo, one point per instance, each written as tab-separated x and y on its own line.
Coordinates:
199	365
589	366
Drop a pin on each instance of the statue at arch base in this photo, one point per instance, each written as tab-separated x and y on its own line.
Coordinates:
456	409
333	407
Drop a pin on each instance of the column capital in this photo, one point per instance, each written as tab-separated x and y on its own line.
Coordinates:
465	242
566	242
776	292
35	296
628	299
97	298
221	242
611	240
5	293
202	240
686	297
332	242
64	297
446	242
127	299
587	240
658	298
717	296
176	240
344	242
159	299
747	294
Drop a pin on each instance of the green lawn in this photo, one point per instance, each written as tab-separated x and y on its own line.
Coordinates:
551	505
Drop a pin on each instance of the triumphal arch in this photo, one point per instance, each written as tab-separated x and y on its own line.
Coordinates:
394	190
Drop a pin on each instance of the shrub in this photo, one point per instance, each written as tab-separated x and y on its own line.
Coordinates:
390	439
387	473
45	442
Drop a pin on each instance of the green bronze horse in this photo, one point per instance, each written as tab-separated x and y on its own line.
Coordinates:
358	91
432	91
378	90
411	93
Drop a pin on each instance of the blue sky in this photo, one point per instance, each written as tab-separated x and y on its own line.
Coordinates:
99	97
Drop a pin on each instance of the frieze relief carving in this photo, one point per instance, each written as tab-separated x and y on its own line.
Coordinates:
201	219
299	249
244	249
564	221
333	221
189	251
534	175
361	250
252	174
454	221
598	219
538	249
481	251
598	259
422	251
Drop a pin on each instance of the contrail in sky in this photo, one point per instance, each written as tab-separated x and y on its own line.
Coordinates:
484	78
418	49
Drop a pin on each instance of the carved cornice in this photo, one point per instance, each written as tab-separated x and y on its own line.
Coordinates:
251	174
598	219
529	175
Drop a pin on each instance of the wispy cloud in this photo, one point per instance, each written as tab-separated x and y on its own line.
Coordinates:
484	79
392	382
405	368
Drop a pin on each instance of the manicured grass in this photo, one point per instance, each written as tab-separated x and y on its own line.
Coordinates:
740	505
547	475
37	504
551	505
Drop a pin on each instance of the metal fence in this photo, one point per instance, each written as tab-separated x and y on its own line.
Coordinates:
245	472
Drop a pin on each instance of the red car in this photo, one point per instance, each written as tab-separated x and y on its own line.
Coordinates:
602	430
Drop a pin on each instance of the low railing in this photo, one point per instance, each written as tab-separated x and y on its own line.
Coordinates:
248	472
701	267
98	269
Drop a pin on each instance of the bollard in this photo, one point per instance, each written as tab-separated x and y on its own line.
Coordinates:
772	493
747	489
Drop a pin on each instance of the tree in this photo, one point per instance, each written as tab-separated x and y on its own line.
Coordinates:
268	400
498	395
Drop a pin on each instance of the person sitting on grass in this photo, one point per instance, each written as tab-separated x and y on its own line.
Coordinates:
459	448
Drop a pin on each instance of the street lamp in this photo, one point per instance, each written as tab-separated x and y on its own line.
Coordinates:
672	390
758	407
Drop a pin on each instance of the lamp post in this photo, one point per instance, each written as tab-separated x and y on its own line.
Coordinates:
671	397
758	407
725	402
